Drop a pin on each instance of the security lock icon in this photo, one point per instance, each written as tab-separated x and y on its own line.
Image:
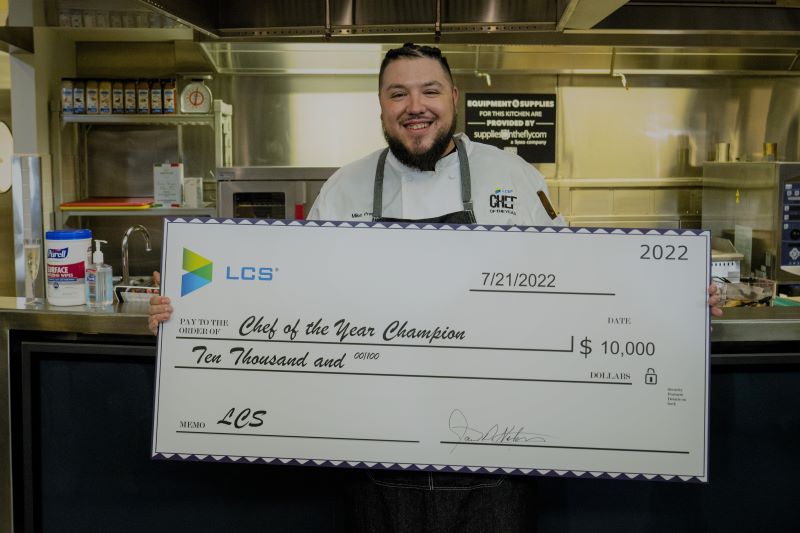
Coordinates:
650	377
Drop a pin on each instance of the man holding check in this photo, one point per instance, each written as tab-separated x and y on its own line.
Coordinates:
430	174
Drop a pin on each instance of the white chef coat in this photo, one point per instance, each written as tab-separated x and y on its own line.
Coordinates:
504	188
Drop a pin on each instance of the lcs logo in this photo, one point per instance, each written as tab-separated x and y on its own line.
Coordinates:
249	273
198	273
502	199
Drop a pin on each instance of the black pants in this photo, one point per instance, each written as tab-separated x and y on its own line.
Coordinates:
420	502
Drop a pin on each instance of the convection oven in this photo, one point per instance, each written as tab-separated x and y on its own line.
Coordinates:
268	192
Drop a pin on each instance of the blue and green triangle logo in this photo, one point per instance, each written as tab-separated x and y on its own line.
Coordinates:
198	273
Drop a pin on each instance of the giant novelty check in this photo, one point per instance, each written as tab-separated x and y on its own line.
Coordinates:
544	351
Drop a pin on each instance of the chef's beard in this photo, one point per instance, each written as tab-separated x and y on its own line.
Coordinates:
427	159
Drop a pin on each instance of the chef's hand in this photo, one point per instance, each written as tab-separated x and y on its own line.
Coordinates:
713	300
160	310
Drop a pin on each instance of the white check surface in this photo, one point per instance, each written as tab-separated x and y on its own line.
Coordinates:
525	350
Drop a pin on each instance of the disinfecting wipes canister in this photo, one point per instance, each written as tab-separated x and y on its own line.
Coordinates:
67	256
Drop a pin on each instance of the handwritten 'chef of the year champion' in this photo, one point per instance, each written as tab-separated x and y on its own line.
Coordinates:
429	173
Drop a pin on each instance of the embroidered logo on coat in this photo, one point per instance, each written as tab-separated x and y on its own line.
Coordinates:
502	201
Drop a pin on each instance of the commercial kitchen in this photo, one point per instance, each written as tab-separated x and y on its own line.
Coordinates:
673	115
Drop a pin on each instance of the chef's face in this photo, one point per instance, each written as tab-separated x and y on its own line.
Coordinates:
418	110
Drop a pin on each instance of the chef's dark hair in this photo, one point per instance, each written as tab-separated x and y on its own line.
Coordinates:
411	51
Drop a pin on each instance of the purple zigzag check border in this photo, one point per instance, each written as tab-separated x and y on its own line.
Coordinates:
574	474
426	226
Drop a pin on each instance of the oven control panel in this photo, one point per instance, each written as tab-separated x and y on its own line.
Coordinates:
790	232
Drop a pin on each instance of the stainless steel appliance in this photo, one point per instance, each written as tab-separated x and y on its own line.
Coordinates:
268	192
757	206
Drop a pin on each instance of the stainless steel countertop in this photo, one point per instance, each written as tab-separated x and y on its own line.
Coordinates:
127	318
754	324
738	324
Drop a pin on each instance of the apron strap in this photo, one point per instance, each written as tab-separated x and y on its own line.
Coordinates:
377	195
466	182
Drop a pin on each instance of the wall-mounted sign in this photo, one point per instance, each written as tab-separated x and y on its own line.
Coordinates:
521	123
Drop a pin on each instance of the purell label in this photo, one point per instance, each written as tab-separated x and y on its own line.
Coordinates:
57	253
67	273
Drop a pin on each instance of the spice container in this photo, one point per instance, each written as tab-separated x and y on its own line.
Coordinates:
78	97
142	97
118	97
169	96
66	96
92	100
104	97
130	96
156	102
770	151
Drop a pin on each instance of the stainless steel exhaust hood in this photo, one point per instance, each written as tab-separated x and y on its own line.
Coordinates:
253	19
298	59
469	21
760	37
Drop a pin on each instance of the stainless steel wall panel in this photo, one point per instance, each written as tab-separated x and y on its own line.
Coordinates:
591	202
303	120
671	201
632	202
125	60
120	159
295	60
662	127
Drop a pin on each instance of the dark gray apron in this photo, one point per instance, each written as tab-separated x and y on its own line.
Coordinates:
466	216
436	502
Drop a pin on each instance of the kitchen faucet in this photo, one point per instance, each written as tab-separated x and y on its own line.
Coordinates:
126	275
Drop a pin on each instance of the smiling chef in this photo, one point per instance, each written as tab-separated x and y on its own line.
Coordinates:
428	173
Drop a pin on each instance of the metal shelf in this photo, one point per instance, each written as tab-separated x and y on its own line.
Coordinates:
151	212
137	35
184	119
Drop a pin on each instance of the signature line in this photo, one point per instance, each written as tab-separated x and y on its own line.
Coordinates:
294	436
461	443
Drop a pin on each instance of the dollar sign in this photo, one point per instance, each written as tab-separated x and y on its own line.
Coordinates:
586	346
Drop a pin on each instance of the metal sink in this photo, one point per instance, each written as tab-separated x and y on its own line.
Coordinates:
137	281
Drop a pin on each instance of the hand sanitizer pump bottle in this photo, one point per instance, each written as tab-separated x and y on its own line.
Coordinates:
99	282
